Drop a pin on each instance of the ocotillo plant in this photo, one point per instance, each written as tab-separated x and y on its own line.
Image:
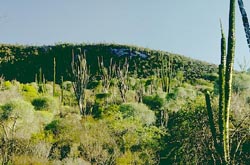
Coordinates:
80	78
225	78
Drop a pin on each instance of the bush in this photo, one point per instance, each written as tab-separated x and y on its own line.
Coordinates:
7	85
138	111
102	95
29	91
240	83
40	103
22	114
17	109
44	117
46	103
153	102
7	95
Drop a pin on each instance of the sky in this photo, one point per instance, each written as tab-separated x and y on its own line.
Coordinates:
189	28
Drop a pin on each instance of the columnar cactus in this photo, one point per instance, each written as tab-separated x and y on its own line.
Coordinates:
225	90
54	77
245	21
80	78
107	73
166	73
122	74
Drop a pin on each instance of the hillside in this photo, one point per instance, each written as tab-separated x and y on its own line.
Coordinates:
136	117
23	62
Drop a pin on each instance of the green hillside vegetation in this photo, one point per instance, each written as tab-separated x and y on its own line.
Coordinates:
153	114
23	62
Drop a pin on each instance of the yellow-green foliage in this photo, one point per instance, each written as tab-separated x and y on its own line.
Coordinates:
129	158
29	91
25	160
7	84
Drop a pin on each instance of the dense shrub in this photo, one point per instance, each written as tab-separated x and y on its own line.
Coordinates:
7	85
29	91
40	103
138	111
44	117
17	109
22	114
46	103
7	95
153	102
241	83
189	139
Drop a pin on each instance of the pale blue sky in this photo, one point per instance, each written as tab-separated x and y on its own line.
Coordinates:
188	27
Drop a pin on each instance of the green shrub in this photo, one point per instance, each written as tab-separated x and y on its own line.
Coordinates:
153	102
102	95
20	113
17	109
29	91
93	84
44	117
40	103
111	110
53	127
139	111
241	83
46	103
7	85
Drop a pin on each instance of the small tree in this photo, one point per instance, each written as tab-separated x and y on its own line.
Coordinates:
80	78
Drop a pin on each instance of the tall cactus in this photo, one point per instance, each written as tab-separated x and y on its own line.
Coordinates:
80	78
228	78
222	68
122	75
245	21
54	77
107	73
225	90
166	73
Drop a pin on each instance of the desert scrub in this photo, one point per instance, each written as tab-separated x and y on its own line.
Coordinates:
21	114
46	103
138	111
44	117
29	91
